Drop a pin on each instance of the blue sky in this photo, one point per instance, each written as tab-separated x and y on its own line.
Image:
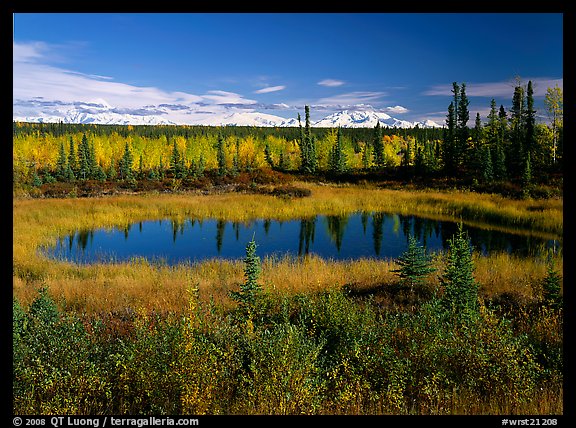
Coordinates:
403	64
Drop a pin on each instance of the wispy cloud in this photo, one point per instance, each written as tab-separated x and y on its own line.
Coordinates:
331	82
42	88
270	89
498	89
351	98
225	97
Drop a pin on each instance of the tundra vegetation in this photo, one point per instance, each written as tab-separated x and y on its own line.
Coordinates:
455	332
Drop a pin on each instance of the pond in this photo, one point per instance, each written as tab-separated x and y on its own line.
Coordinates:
342	237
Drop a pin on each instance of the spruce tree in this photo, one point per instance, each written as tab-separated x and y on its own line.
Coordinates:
492	125
420	167
337	156
72	160
487	172
530	123
308	153
499	163
366	156
449	145
83	159
175	161
250	289
236	159
283	162
161	169
141	174
92	162
100	175
111	175
220	156
462	131
69	174
200	166
36	180
415	264
268	155
125	164
460	288
378	147
407	158
551	285
515	155
61	164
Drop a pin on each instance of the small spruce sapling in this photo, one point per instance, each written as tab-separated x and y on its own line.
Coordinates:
415	264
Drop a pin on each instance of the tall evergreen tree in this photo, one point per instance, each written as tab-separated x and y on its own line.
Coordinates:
492	125
378	147
366	156
460	288
176	161
499	163
61	164
530	121
337	155
141	174
283	162
449	145
308	146
111	174
475	155
462	117
515	155
220	156
486	169
268	155
161	169
84	159
236	158
92	162
125	164
72	160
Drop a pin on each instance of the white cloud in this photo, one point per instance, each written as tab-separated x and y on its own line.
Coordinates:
224	97
33	79
331	82
351	98
396	110
40	88
498	89
270	89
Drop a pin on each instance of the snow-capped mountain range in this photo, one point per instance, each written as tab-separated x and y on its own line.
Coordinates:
107	116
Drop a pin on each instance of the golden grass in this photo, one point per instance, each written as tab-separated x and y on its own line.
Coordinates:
139	283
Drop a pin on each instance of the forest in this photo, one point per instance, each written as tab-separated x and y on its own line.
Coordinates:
508	151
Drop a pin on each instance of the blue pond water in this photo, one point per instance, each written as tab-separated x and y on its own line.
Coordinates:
359	235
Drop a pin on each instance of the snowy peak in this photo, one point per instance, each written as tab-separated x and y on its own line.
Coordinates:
368	119
353	119
105	115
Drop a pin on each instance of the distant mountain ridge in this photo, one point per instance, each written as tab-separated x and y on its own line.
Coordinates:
344	118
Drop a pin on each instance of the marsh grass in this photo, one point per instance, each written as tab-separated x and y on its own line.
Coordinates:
37	223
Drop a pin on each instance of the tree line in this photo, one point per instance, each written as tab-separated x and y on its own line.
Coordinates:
509	145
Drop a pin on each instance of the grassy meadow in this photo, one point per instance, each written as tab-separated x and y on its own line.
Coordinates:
329	337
